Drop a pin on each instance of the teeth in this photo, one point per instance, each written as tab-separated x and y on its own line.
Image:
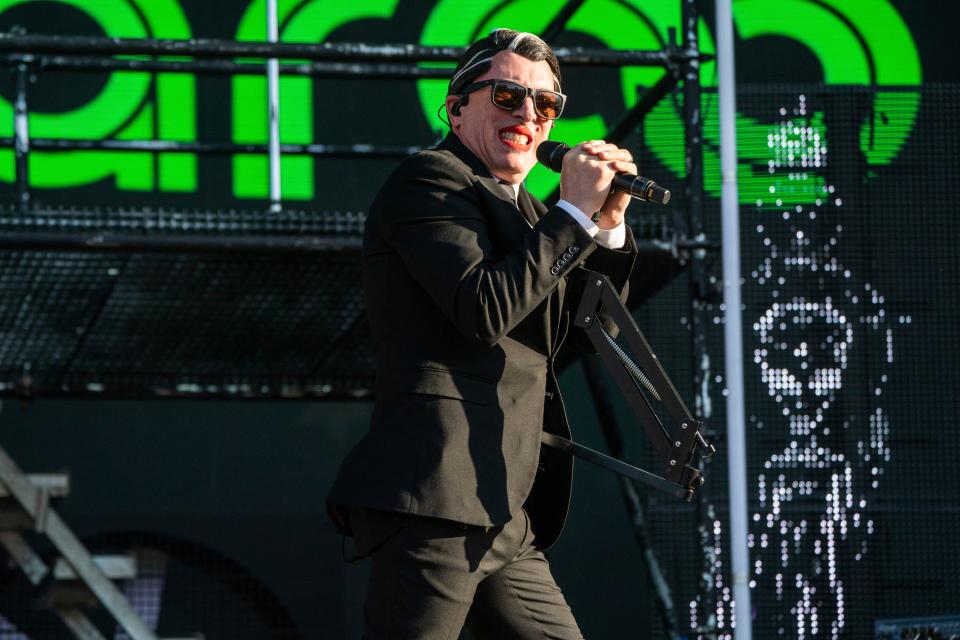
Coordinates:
511	136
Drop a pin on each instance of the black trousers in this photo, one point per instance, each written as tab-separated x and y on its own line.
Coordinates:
432	578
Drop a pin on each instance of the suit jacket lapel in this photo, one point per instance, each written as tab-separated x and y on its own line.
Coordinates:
510	219
517	223
533	210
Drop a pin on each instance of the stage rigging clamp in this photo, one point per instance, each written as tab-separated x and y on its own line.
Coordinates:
681	447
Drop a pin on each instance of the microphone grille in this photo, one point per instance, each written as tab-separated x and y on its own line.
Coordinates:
550	154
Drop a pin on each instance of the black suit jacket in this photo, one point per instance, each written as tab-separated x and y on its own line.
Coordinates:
467	307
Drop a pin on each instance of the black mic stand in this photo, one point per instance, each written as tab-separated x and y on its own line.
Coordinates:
681	453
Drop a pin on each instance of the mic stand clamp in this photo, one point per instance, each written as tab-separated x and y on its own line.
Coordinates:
682	446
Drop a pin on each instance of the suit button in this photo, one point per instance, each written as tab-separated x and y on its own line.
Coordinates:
562	263
555	270
574	249
567	255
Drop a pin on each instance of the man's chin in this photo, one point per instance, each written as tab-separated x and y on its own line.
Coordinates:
513	173
520	163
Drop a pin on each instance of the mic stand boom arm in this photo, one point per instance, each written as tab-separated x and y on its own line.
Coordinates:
681	452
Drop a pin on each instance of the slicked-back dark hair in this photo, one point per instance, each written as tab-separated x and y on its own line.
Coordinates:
477	59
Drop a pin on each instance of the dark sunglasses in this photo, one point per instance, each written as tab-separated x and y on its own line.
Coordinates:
510	95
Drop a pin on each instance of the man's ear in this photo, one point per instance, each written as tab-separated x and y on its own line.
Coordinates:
454	103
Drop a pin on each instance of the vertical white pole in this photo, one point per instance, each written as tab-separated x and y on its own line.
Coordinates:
733	329
273	107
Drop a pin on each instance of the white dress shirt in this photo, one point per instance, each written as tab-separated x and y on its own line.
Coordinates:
610	238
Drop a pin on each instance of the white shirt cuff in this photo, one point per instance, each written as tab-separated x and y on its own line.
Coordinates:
610	238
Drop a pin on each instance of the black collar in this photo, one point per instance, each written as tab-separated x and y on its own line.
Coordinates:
454	145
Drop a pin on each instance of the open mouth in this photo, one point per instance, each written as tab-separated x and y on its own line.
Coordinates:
516	137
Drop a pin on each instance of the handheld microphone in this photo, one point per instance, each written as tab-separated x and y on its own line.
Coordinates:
550	154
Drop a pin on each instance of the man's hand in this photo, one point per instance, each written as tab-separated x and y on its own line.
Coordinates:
620	161
588	170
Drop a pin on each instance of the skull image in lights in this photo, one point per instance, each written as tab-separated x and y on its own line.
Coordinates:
822	347
813	490
803	352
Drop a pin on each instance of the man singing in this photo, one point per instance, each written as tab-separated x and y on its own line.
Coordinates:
465	278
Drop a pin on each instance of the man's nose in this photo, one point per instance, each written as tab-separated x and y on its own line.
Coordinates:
526	110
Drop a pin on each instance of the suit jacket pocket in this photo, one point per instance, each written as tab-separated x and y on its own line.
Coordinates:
449	384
